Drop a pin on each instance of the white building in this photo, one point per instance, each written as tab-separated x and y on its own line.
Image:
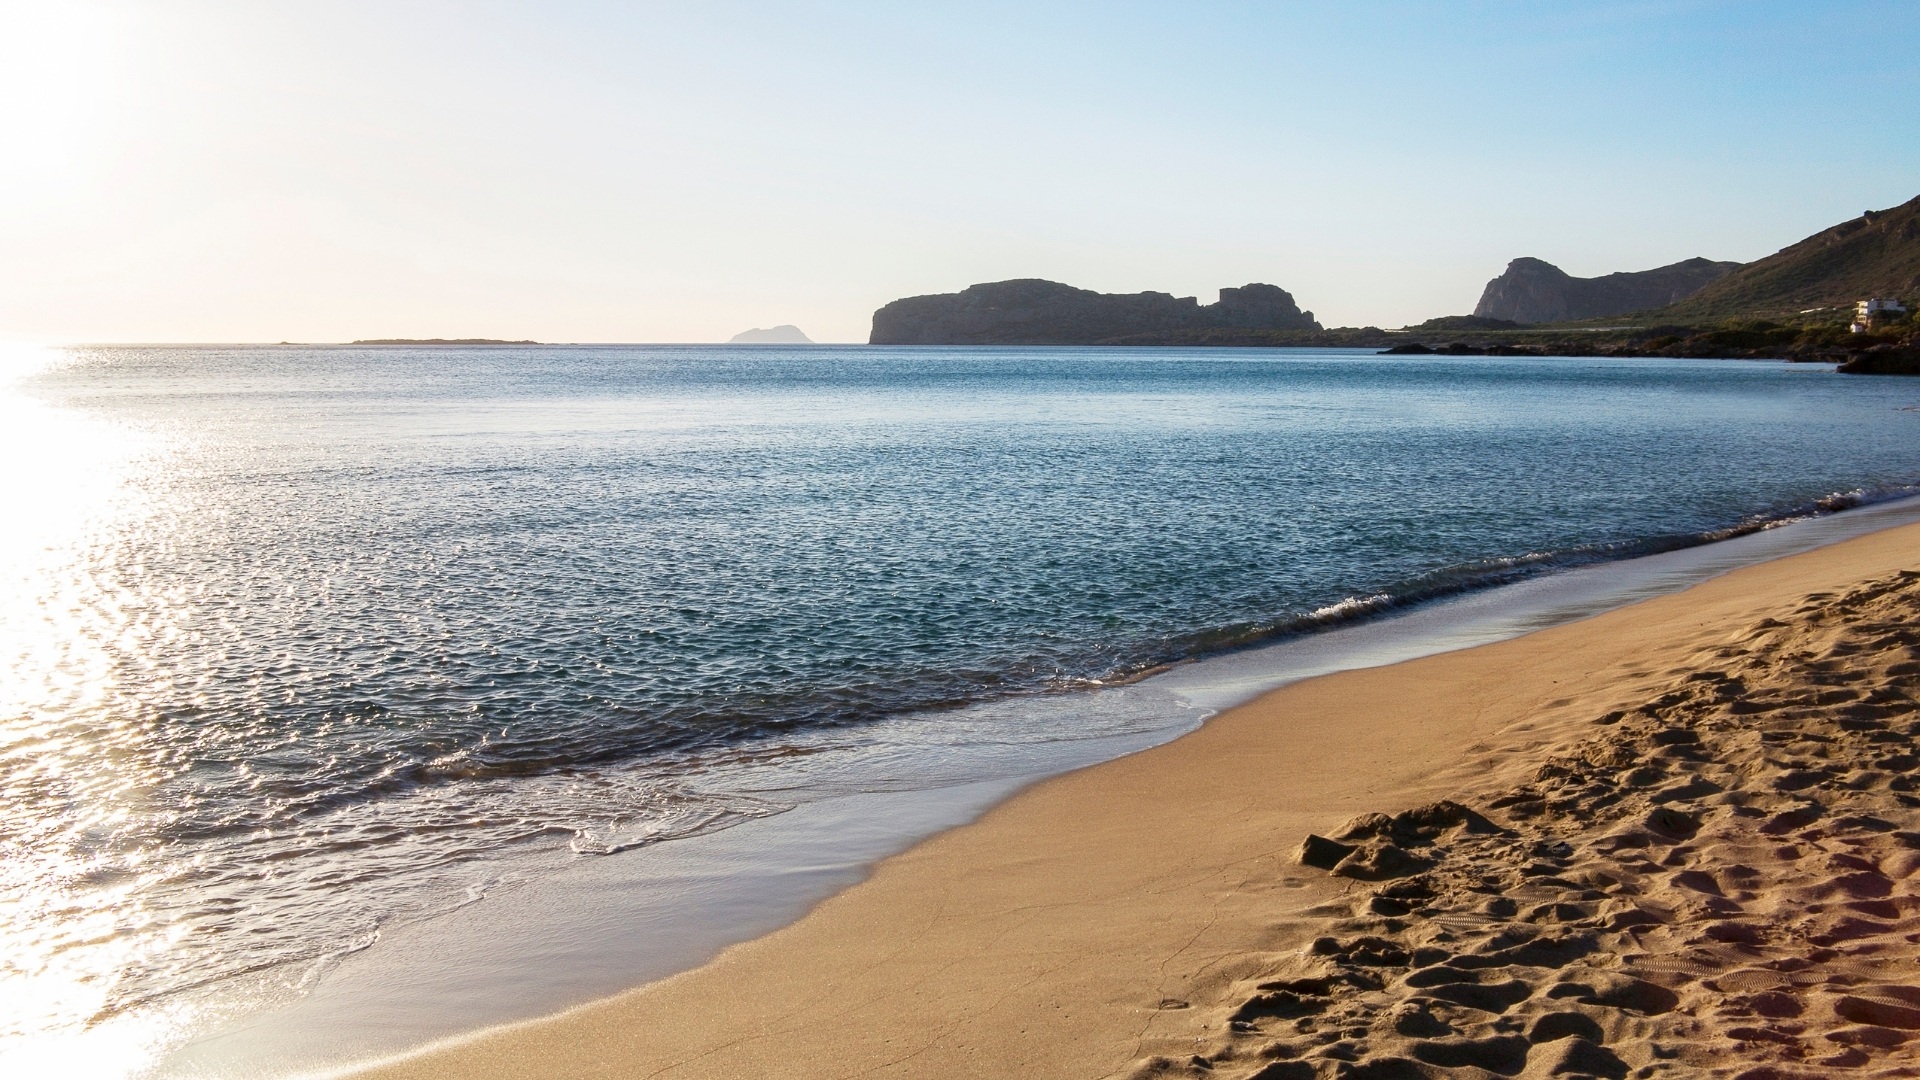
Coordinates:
1868	312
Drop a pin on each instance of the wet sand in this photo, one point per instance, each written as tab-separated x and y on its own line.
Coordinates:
1675	839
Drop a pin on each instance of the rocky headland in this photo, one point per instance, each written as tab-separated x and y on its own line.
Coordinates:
1535	291
1796	304
1031	311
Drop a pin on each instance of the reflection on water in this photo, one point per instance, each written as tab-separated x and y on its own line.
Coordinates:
77	852
298	643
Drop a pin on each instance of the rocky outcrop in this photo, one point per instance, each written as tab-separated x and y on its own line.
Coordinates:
1533	291
1884	360
1031	311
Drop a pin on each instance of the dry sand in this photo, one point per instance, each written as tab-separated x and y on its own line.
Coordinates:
1675	840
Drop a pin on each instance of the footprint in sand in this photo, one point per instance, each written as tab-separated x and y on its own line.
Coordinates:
1721	882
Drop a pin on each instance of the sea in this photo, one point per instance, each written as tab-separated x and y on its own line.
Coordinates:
354	697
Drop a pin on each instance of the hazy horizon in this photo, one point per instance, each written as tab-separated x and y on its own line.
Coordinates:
223	172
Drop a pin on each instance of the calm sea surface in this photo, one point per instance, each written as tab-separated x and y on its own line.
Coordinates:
300	641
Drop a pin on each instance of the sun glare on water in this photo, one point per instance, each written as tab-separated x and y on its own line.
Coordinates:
71	770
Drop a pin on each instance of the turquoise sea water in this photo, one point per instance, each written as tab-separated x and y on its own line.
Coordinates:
302	641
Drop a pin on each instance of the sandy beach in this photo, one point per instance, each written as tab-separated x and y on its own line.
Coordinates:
1676	839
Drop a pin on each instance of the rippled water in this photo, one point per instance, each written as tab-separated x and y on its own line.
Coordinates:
298	641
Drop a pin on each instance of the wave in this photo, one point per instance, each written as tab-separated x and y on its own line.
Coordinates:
671	814
1492	572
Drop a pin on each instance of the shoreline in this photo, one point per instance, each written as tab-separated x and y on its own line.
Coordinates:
541	942
881	964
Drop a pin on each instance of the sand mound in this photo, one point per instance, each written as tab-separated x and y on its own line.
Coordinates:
1716	882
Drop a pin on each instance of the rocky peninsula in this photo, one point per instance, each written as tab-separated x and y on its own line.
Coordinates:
1535	291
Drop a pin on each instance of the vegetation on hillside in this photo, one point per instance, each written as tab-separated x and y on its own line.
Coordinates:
1876	254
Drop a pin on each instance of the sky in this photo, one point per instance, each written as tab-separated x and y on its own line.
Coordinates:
595	171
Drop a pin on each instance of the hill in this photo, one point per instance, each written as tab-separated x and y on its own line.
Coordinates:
1030	311
1876	254
784	334
1534	291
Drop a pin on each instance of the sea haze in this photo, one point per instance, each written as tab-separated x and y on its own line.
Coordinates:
305	643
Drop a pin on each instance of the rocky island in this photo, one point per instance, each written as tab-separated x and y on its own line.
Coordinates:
1031	311
784	334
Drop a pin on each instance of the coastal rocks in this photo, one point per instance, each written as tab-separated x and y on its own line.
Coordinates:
1461	348
1535	291
1884	360
1031	311
1891	351
1719	880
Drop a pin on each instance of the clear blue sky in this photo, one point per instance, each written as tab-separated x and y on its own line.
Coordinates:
630	171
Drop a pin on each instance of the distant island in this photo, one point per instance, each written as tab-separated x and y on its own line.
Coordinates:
438	341
784	334
1032	311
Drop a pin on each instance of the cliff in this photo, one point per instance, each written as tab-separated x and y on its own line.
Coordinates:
1030	311
1875	254
1533	291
